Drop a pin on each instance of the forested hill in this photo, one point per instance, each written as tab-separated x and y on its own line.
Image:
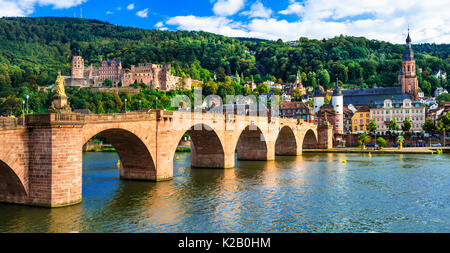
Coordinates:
32	50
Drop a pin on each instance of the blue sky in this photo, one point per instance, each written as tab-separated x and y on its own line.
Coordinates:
286	19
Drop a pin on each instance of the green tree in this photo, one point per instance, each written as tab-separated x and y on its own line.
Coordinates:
429	127
372	127
262	88
444	97
381	142
406	126
363	139
393	126
108	83
297	94
444	124
323	78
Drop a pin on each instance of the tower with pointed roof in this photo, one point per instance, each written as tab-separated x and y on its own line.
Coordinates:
337	100
318	100
407	76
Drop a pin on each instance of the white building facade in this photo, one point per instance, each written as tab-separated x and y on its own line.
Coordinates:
398	110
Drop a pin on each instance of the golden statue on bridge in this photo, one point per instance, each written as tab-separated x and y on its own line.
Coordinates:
59	86
60	103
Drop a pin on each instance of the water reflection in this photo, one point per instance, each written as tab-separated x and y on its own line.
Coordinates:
308	193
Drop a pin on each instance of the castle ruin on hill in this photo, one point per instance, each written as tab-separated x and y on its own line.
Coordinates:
155	76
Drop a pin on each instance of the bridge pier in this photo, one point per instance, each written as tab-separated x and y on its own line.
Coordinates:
325	136
55	162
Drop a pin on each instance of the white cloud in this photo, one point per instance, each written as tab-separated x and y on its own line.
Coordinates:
109	12
220	25
26	7
293	8
227	7
160	26
382	20
143	13
257	10
11	9
130	7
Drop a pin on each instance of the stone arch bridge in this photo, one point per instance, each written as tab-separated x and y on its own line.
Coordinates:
41	156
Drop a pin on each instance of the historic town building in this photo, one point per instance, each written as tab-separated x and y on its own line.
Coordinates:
297	85
155	76
297	110
389	110
360	119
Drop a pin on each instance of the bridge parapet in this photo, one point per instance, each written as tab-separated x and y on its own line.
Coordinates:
48	119
120	117
11	123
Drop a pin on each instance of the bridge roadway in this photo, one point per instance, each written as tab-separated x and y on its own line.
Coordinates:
41	156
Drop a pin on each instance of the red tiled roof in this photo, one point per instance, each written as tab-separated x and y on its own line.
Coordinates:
362	108
293	105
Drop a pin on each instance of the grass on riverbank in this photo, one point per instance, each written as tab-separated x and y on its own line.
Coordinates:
109	150
183	149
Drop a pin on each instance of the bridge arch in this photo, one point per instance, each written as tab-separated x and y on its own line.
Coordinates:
310	140
207	149
136	161
12	188
286	142
252	145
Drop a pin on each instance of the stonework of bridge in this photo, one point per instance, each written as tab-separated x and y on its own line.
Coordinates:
41	158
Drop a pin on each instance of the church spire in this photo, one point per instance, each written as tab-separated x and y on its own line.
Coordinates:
408	39
408	54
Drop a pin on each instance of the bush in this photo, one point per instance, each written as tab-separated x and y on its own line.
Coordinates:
381	142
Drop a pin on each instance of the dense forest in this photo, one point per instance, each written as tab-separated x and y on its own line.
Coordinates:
33	50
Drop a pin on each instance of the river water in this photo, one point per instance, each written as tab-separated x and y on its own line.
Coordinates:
309	193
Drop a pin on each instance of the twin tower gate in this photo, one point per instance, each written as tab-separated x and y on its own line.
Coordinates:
41	156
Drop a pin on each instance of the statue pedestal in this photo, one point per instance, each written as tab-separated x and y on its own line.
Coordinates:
60	105
60	102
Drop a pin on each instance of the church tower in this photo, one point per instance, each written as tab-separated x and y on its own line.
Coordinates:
77	67
407	77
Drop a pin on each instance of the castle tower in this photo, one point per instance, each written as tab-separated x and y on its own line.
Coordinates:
407	77
337	101
77	67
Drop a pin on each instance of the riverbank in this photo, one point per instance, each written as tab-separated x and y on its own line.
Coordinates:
384	151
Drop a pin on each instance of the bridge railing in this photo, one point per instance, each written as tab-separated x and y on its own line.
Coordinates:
10	123
119	117
54	119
